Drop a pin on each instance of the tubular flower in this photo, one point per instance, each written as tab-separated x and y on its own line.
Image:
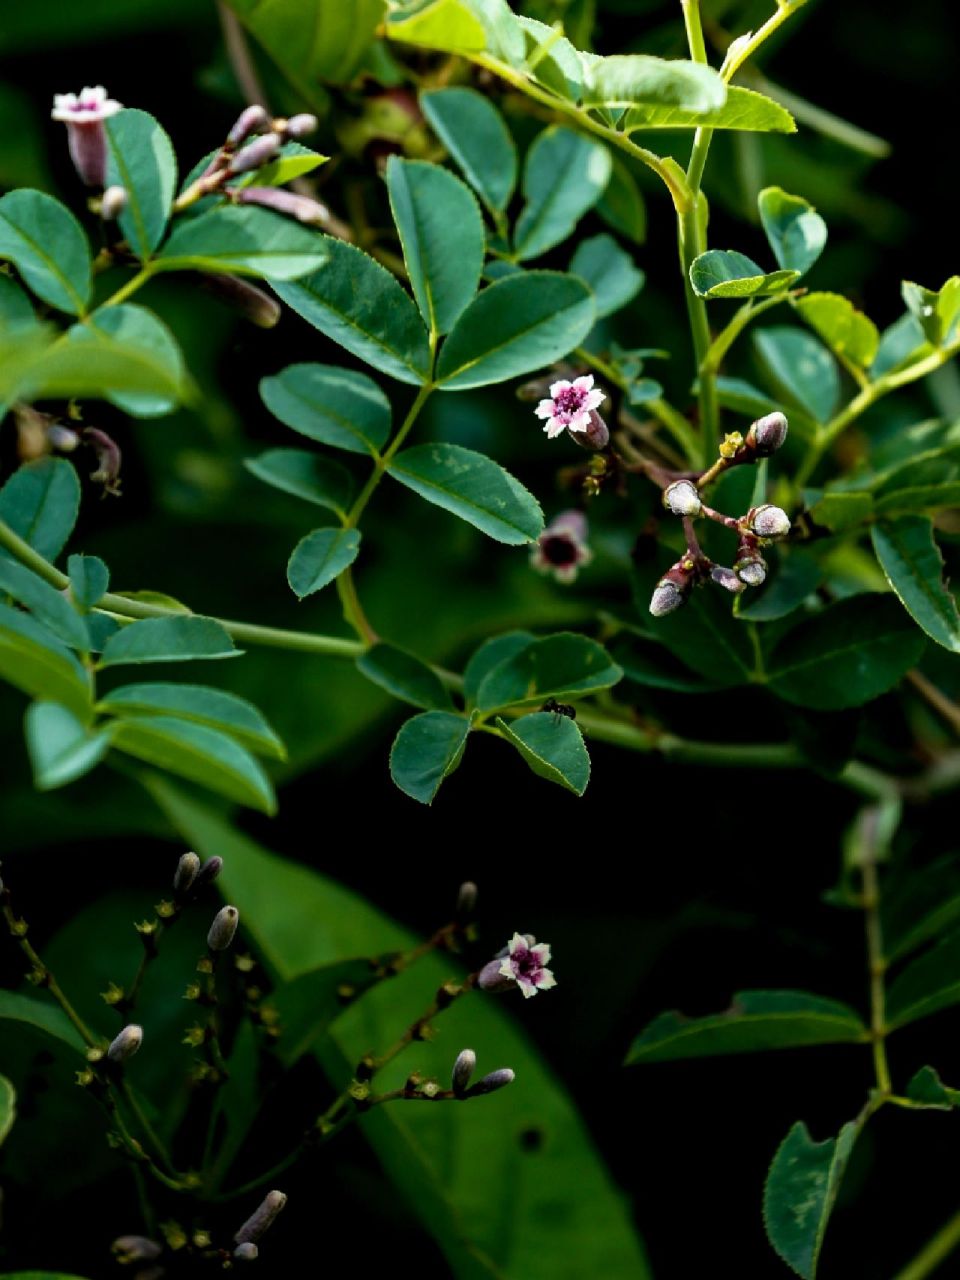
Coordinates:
562	547
84	114
569	406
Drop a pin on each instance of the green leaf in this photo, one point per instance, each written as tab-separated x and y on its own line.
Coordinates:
622	205
245	241
8	1107
321	557
921	906
552	59
46	603
563	176
552	746
213	707
49	1018
848	654
33	660
912	563
426	750
475	134
742	397
311	43
359	304
168	640
845	330
800	1193
514	326
936	311
796	576
293	161
560	666
755	1021
473	487
602	264
306	475
311	1002
626	80
140	333
796	232
404	676
46	244
914	499
928	984
334	406
89	580
801	368
61	749
490	654
200	754
928	1089
16	310
442	236
444	24
902	344
744	110
650	664
724	273
839	510
140	159
707	637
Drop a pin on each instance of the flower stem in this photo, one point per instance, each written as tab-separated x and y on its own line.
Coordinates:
937	1248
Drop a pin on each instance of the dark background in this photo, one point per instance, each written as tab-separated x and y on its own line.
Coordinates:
668	886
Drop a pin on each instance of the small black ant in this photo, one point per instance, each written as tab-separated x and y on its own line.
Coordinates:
560	708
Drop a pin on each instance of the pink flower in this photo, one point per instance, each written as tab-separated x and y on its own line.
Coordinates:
562	547
570	406
526	964
84	114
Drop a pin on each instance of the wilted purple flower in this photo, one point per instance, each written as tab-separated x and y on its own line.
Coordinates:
526	964
108	456
682	498
570	404
769	522
562	547
303	208
84	114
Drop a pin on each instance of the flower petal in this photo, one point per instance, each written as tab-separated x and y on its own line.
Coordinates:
557	387
544	409
594	399
584	383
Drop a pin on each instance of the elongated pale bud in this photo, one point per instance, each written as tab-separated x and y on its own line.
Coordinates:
727	579
666	597
126	1044
254	156
463	1069
246	1252
251	120
209	871
492	1082
491	979
596	435
223	929
128	1249
310	212
682	498
113	203
466	900
768	521
240	295
186	872
298	126
262	1218
767	434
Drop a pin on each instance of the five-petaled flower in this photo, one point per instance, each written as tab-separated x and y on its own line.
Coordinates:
84	113
526	963
562	547
570	405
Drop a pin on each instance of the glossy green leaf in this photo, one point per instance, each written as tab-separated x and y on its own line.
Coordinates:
404	676
846	655
168	640
450	25
912	563
622	206
564	175
89	580
138	332
755	1021
321	557
724	273
560	666
473	487
840	510
33	660
334	406
928	984
845	330
8	1107
800	1193
140	159
514	326
213	707
475	134
706	636
926	1088
490	654
312	42
602	264
936	311
552	746
625	80
42	1014
306	475
801	368
61	749
442	236
552	59
46	244
199	754
46	603
796	232
426	750
359	304
246	241
744	110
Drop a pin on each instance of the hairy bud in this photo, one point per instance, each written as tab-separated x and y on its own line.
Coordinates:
298	126
727	578
463	1069
262	1218
768	521
223	929
113	203
492	1082
466	900
682	498
209	871
254	156
491	979
246	1252
128	1249
126	1044
186	872
251	120
672	589
767	434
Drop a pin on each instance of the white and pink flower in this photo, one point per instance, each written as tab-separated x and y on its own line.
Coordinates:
570	405
526	964
84	113
562	547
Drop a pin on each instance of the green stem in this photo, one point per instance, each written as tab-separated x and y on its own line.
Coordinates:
140	1116
939	1247
877	968
381	464
49	981
133	284
692	242
736	57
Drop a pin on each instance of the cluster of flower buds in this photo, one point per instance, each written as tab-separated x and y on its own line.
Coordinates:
464	1068
562	548
521	963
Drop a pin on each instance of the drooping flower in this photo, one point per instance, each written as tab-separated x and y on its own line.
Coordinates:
526	964
570	404
562	547
84	114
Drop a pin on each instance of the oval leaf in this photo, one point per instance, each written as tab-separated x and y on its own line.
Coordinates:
60	747
610	273
168	640
426	750
912	563
321	557
927	985
744	110
46	603
334	406
564	175
475	134
139	332
46	244
801	368
306	475
796	232
552	746
490	654
213	707
89	580
244	240
724	273
33	660
140	159
404	676
622	80
559	666
845	330
40	503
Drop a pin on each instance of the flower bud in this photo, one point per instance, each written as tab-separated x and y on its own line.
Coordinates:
310	212
186	872
262	1218
463	1069
63	439
752	571
466	900
767	434
491	979
768	521
246	1252
209	871
223	928
492	1082
682	498
254	156
126	1044
596	434
673	588
298	126
727	578
252	303
251	120
128	1249
113	203
84	114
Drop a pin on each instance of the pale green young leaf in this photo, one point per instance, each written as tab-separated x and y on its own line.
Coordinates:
245	241
140	335
630	79
46	244
16	311
553	747
476	136
551	59
426	750
212	707
60	748
305	475
796	232
312	42
609	271
724	273
449	25
405	677
935	310
744	110
321	557
334	406
180	639
564	175
293	161
845	330
912	564
140	158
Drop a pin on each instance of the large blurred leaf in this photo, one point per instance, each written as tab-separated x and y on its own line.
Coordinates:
36	662
140	332
40	502
928	984
60	747
475	134
46	244
563	176
334	406
42	1014
243	240
312	42
405	677
801	368
140	159
213	707
708	638
609	272
918	907
913	565
8	1107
